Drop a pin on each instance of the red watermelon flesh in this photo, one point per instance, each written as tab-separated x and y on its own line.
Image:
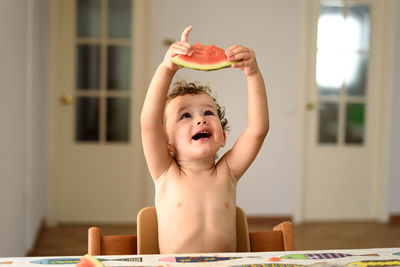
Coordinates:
204	57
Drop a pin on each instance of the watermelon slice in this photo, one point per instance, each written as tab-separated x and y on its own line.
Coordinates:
204	57
89	261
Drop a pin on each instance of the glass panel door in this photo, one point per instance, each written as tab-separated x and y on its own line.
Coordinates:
103	70
341	172
341	73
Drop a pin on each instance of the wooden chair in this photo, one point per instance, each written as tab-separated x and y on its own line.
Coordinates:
110	244
280	239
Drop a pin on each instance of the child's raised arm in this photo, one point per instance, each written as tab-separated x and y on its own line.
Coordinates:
154	139
250	141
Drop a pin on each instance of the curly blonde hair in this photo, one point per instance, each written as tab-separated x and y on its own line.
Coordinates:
184	88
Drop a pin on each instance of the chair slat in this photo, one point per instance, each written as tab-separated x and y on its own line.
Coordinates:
94	242
266	241
287	232
118	245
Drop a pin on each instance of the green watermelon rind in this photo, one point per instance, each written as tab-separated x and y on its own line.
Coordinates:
95	261
220	65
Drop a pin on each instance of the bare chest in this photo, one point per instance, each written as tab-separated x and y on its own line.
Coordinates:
196	192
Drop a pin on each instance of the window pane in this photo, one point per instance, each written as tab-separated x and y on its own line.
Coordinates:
119	19
89	14
88	67
331	26
118	67
87	118
118	118
355	123
328	122
358	27
330	72
356	73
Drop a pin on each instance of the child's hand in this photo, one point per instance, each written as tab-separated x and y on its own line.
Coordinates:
245	56
179	48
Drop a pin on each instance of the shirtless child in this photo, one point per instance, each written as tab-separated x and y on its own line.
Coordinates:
195	195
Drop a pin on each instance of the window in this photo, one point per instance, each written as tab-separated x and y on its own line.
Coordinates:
343	43
103	70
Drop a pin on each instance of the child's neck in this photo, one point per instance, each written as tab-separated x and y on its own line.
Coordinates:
196	166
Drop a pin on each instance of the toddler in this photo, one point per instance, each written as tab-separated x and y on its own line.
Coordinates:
181	133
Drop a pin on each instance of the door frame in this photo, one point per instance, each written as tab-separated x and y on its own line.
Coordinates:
54	20
308	19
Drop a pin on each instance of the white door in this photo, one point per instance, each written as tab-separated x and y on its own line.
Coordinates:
97	50
341	179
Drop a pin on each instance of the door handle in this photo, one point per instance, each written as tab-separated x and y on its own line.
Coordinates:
310	106
66	99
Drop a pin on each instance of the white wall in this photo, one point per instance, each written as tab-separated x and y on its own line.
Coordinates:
394	206
36	180
271	28
22	198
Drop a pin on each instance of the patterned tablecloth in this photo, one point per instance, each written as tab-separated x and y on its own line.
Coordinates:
352	257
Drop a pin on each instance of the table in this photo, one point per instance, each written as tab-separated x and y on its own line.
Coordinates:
314	258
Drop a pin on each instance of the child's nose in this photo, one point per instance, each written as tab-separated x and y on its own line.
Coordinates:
201	121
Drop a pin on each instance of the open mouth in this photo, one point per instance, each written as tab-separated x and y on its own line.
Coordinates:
203	134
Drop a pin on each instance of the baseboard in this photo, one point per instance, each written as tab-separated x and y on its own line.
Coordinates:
39	233
98	224
394	219
269	220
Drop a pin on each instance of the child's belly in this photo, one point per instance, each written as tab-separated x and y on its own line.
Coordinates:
196	230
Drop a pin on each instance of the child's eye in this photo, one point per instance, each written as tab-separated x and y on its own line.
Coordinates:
185	116
209	113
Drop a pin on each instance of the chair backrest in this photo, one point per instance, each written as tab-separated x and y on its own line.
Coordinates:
110	244
280	239
147	231
146	241
242	231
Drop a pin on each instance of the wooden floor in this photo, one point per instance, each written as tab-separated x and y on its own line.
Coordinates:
67	240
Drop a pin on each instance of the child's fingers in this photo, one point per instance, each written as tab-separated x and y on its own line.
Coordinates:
237	52
244	58
234	50
185	33
182	45
230	49
239	56
181	48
